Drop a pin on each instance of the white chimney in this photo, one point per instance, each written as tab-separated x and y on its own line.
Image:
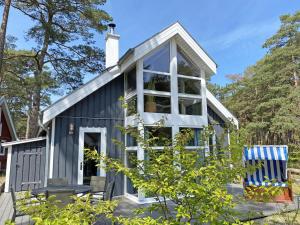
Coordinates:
111	46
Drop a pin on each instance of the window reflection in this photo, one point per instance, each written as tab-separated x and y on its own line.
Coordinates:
189	86
157	104
131	80
190	106
156	82
131	163
132	106
162	135
196	136
185	65
159	60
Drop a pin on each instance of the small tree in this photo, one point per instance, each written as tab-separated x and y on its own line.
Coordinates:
187	186
50	211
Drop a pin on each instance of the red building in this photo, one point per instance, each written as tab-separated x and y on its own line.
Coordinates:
7	131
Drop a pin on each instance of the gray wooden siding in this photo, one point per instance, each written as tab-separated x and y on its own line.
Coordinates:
100	109
28	165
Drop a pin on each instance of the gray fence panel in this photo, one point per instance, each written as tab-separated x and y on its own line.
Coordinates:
28	165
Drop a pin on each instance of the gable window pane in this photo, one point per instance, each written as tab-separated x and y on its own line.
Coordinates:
189	106
132	106
131	80
185	66
162	135
189	86
156	82
159	60
157	104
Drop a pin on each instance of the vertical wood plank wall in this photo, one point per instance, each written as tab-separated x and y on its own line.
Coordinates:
28	165
100	109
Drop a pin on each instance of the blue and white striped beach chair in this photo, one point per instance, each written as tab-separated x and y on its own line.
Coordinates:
273	160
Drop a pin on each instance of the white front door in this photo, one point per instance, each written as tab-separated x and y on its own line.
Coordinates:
92	138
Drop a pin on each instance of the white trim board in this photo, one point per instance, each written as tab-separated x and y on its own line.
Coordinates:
8	165
23	141
51	158
137	53
82	130
220	109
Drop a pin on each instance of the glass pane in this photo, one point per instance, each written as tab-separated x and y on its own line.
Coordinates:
131	163
159	60
188	86
163	135
190	106
196	140
91	141
131	80
156	82
185	66
130	139
157	104
132	106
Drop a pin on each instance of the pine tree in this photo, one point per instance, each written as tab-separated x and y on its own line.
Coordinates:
65	48
3	33
267	99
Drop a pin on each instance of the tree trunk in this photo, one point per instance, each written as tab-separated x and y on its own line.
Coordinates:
296	78
3	35
33	115
33	112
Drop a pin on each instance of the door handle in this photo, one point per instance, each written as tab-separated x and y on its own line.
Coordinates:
81	165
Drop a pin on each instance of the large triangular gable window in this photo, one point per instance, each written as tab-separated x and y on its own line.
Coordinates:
159	60
185	66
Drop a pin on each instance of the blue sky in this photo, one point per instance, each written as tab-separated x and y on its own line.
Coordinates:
231	31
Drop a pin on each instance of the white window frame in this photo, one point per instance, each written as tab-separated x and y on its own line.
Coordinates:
156	72
173	119
154	92
82	131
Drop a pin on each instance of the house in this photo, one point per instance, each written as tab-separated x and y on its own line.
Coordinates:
165	76
7	132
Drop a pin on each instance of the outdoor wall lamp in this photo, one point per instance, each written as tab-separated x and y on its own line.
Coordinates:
71	128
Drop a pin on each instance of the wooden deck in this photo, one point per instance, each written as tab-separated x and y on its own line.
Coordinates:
6	211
